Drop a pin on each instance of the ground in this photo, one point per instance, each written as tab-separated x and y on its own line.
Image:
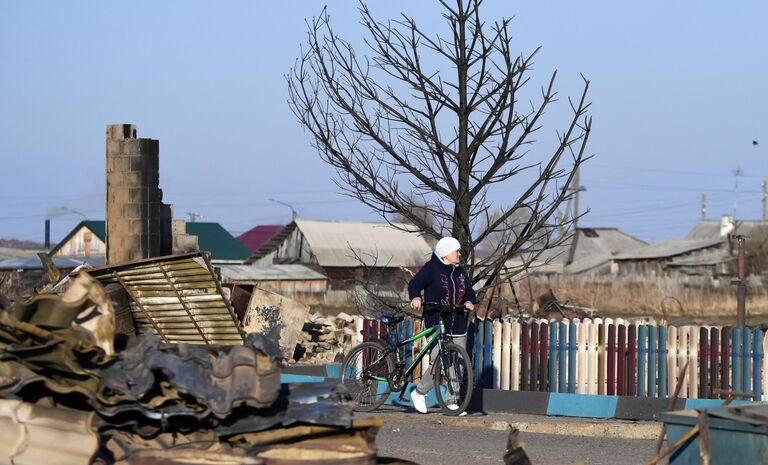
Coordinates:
481	439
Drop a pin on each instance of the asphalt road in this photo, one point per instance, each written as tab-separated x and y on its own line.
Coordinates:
438	444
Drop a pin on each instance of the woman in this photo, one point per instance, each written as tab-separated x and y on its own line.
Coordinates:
444	282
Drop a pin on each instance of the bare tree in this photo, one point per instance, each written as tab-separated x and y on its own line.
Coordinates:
438	120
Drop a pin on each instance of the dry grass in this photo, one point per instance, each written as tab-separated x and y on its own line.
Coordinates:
660	297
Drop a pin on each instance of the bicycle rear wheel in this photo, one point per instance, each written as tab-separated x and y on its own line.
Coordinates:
364	373
454	380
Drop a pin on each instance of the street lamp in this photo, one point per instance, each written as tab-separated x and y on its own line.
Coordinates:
293	211
71	210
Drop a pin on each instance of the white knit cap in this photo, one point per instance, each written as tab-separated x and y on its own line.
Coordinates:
445	246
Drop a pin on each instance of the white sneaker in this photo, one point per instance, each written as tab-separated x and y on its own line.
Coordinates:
456	407
419	401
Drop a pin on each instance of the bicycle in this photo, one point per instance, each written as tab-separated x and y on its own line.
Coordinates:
372	370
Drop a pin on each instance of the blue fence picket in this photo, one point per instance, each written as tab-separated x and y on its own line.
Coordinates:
641	351
553	355
562	357
488	354
478	351
746	336
735	360
652	353
572	357
757	359
662	361
409	346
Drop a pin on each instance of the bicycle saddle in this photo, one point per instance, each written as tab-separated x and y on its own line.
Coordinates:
391	320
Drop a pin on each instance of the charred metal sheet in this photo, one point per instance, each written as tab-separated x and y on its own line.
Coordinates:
178	297
277	317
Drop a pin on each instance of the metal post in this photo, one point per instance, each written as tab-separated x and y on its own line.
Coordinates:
703	206
765	198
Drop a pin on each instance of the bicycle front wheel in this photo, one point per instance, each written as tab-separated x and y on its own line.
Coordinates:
454	379
364	373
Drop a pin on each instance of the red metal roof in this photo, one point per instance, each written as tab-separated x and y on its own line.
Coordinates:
253	239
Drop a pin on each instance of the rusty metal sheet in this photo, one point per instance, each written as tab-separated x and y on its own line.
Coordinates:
177	297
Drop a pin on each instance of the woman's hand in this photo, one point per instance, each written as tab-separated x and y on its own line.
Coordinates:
416	303
469	306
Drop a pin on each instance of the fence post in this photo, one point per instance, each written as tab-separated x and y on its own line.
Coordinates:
757	344
693	366
735	359
582	328
611	372
672	358
563	357
652	354
663	372
714	360
497	348
506	341
592	361
543	367
704	362
478	352
515	355
745	358
554	354
534	376
572	337
641	352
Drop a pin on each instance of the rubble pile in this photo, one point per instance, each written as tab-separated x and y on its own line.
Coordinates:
325	339
58	360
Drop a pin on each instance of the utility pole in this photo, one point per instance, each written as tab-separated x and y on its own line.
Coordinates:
737	173
765	198
576	187
741	284
703	206
193	216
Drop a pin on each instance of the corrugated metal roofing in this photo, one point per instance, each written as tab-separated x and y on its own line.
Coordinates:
710	229
60	262
269	273
603	241
669	248
254	238
176	297
222	245
376	243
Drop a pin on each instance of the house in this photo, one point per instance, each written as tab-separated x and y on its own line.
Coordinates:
587	250
25	274
349	253
88	239
707	250
254	238
296	282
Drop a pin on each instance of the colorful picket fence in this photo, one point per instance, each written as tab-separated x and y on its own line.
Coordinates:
606	356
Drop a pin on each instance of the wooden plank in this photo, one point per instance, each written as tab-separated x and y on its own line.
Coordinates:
602	357
621	361
572	339
757	346
514	368
497	348
672	358
592	357
553	355
582	330
653	354
704	361
506	341
682	356
543	356
534	376
642	352
525	354
562	361
629	381
693	366
611	368
714	361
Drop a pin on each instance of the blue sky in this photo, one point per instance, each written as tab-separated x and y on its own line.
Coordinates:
678	92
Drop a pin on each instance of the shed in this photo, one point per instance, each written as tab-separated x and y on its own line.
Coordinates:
297	282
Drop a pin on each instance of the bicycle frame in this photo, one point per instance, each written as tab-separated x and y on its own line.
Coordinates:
435	332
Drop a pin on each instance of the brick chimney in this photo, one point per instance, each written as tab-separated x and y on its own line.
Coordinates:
134	199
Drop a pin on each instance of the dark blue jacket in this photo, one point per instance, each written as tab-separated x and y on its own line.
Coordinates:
444	284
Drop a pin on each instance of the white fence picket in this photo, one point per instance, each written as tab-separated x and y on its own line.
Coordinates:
514	369
506	346
582	328
592	357
496	354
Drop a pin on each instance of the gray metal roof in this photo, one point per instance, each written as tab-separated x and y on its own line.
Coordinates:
12	252
710	229
33	263
668	249
376	243
234	273
176	297
603	241
709	258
